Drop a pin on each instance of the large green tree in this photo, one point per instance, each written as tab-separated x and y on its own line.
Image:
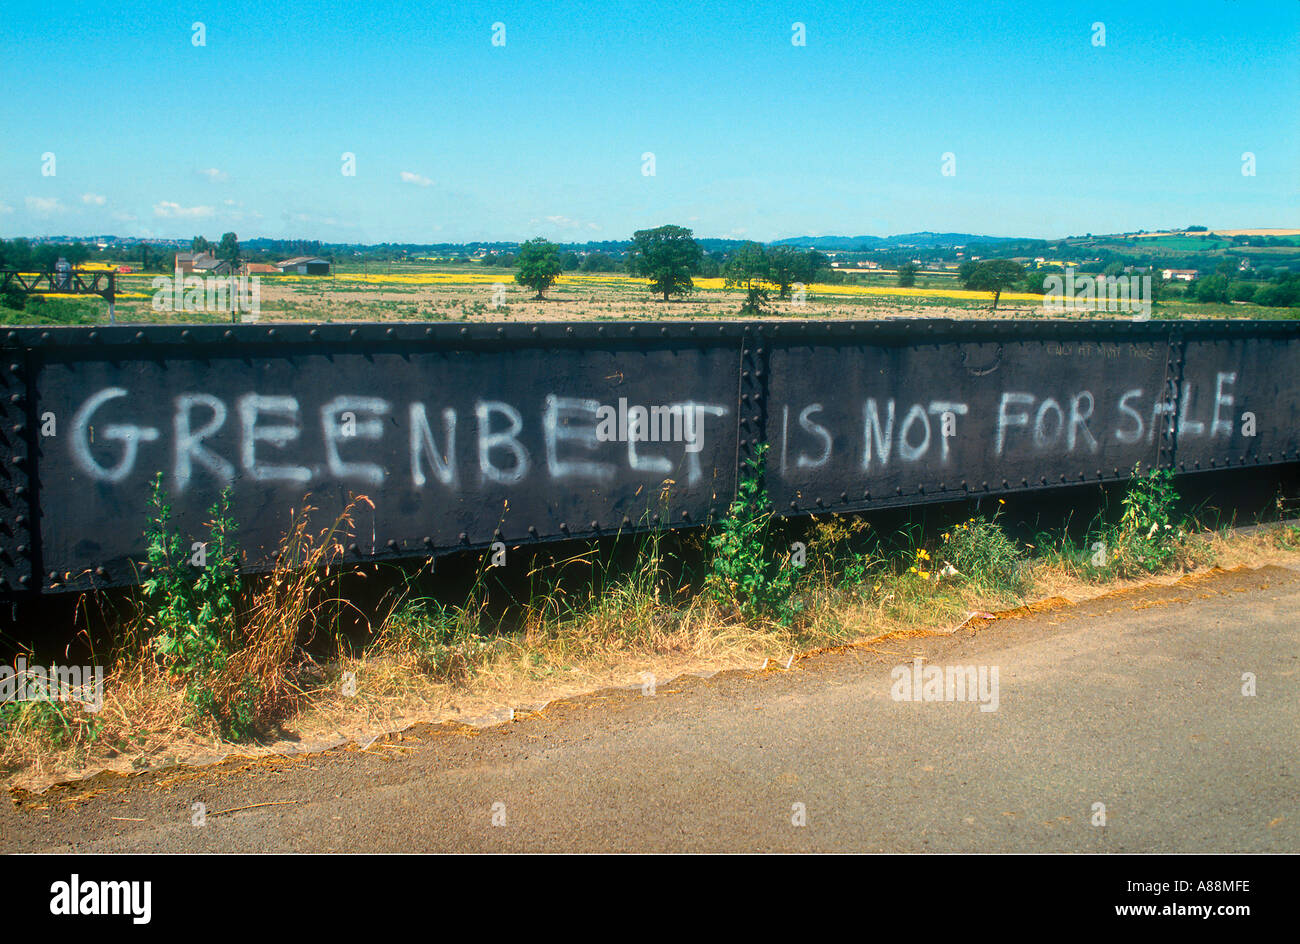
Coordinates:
228	250
785	266
994	275
668	256
539	265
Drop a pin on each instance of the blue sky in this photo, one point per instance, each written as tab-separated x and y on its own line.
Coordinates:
457	139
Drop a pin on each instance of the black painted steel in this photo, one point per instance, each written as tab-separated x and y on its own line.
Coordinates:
464	435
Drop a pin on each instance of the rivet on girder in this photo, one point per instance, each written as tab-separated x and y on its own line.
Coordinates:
427	541
392	544
464	538
595	526
353	549
532	529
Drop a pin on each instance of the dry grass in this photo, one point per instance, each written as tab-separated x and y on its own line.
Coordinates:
626	630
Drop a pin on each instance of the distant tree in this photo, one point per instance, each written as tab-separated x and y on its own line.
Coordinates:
814	263
750	268
599	262
228	251
667	256
570	261
199	244
994	275
966	270
539	265
785	266
907	274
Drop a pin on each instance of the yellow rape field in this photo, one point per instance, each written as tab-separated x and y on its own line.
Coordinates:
707	284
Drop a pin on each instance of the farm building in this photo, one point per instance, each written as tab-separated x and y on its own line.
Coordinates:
1179	275
257	268
189	262
213	266
304	265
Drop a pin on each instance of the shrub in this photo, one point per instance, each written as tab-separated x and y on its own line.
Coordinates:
1148	539
744	575
981	552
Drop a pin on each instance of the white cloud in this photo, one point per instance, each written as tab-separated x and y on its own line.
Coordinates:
417	179
125	217
309	218
93	199
214	175
6	208
175	211
44	204
565	222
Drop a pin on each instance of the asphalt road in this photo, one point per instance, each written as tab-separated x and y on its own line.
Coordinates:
1133	701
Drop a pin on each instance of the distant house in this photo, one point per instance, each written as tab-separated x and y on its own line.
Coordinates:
1179	275
211	265
257	268
203	262
304	265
